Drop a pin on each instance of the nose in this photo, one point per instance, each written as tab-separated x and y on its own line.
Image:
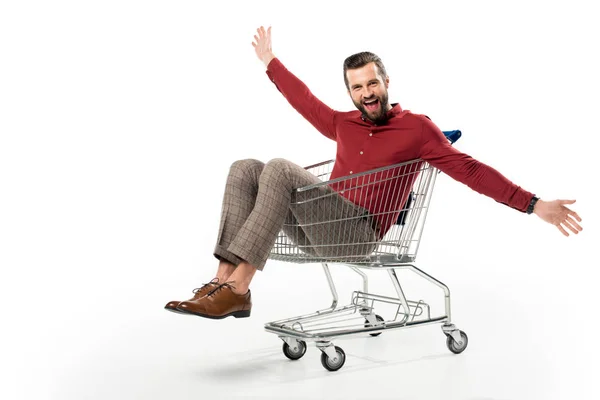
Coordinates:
368	93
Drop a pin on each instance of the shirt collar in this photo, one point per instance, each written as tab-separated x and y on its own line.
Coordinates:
396	110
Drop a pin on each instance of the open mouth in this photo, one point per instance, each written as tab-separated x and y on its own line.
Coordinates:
371	105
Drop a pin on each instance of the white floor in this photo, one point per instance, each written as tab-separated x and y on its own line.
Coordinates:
527	341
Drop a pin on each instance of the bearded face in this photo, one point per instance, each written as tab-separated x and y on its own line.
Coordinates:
368	91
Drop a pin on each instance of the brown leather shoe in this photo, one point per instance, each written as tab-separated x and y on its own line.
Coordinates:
221	302
198	293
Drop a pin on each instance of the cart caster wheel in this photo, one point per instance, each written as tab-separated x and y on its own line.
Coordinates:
368	325
334	365
455	347
296	354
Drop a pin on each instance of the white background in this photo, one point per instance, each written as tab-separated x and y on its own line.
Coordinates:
119	120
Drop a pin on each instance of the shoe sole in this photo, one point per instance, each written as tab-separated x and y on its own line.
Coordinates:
235	314
174	310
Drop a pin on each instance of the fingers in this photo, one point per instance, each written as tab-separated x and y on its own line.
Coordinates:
574	214
560	228
262	35
567	219
572	225
570	218
262	32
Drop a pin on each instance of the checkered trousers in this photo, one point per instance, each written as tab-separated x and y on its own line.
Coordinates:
260	201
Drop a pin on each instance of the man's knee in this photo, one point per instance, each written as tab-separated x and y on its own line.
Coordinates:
248	164
279	165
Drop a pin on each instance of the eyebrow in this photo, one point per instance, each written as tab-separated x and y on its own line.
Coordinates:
356	85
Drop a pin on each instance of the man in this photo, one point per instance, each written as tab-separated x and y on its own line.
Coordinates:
258	196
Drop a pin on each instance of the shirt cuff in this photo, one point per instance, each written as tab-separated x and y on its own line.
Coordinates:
274	66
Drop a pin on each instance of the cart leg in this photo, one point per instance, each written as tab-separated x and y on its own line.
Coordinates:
365	309
364	278
431	279
331	286
400	293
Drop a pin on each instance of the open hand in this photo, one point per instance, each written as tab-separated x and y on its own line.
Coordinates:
262	45
556	213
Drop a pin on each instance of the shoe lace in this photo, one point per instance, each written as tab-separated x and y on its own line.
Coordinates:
221	286
215	281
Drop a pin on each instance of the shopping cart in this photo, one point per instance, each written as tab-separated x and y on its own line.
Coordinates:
403	194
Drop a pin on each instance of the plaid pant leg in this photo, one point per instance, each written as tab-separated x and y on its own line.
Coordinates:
336	228
239	198
296	236
256	237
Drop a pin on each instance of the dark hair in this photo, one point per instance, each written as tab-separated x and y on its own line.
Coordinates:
361	59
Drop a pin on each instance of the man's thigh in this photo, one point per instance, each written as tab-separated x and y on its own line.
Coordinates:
331	225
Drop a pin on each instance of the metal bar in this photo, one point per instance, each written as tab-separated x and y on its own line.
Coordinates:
401	296
436	282
316	315
340	179
364	277
331	286
332	335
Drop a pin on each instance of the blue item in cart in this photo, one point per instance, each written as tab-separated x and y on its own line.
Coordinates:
452	136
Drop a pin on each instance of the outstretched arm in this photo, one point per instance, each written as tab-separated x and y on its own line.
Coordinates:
486	180
293	89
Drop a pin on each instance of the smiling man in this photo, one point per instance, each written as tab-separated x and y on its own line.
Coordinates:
258	196
369	85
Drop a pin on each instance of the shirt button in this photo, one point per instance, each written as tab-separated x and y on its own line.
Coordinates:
370	134
342	192
361	152
350	171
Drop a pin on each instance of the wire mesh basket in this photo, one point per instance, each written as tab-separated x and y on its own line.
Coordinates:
327	220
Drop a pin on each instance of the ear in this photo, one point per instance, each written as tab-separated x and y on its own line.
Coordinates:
387	82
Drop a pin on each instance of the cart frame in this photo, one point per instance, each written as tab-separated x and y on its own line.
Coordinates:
397	252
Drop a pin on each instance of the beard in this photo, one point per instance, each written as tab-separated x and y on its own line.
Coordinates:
379	116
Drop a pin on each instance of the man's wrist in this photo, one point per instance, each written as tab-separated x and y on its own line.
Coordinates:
267	58
531	208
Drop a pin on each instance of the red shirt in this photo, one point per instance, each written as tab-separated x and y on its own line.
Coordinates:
363	145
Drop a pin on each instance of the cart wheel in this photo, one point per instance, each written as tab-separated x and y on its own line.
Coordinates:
368	325
455	347
334	365
294	354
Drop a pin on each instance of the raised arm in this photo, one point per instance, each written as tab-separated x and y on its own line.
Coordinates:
293	89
